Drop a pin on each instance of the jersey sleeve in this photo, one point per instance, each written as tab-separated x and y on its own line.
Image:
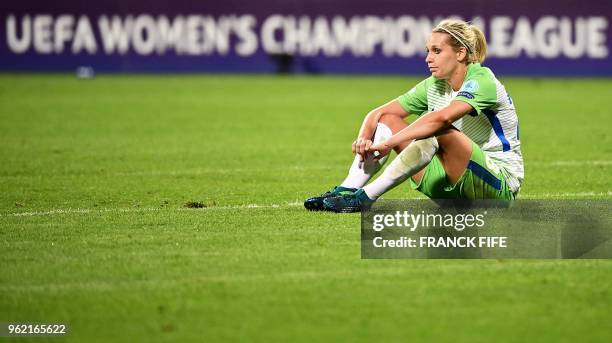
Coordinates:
479	91
415	100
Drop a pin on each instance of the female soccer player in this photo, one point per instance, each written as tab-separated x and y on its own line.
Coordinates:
464	145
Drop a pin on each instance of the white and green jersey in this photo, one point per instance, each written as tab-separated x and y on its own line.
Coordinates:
493	125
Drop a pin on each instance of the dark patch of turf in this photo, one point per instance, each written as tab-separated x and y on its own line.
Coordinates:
195	204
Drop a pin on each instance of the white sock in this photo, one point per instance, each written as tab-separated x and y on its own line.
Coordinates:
412	159
360	172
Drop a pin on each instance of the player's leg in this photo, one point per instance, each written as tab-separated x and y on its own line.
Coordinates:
396	124
446	167
411	161
454	153
407	163
461	170
450	166
450	173
361	172
452	149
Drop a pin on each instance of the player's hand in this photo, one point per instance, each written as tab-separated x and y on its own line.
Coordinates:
361	146
379	150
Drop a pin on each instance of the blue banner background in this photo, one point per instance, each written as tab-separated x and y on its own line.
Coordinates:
261	61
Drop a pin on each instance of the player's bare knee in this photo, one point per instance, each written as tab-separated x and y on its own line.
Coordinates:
447	136
394	122
453	141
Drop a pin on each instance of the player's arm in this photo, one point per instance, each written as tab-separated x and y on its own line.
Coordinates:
425	126
364	138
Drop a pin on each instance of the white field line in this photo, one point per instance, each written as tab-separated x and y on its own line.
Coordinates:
201	171
570	163
330	168
145	209
261	206
185	172
205	171
77	211
564	195
246	206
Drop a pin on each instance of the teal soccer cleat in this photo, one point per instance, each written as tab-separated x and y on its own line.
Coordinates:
348	202
316	203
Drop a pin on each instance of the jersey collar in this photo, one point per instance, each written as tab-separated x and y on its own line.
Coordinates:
472	67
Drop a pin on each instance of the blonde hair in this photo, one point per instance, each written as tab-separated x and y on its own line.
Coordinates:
465	35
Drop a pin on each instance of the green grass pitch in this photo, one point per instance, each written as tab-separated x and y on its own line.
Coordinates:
94	232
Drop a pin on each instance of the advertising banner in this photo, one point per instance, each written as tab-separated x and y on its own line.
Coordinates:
533	38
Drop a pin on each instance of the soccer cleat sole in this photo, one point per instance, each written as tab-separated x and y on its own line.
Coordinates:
314	206
348	210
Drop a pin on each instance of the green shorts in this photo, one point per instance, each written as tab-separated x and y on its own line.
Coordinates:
480	180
